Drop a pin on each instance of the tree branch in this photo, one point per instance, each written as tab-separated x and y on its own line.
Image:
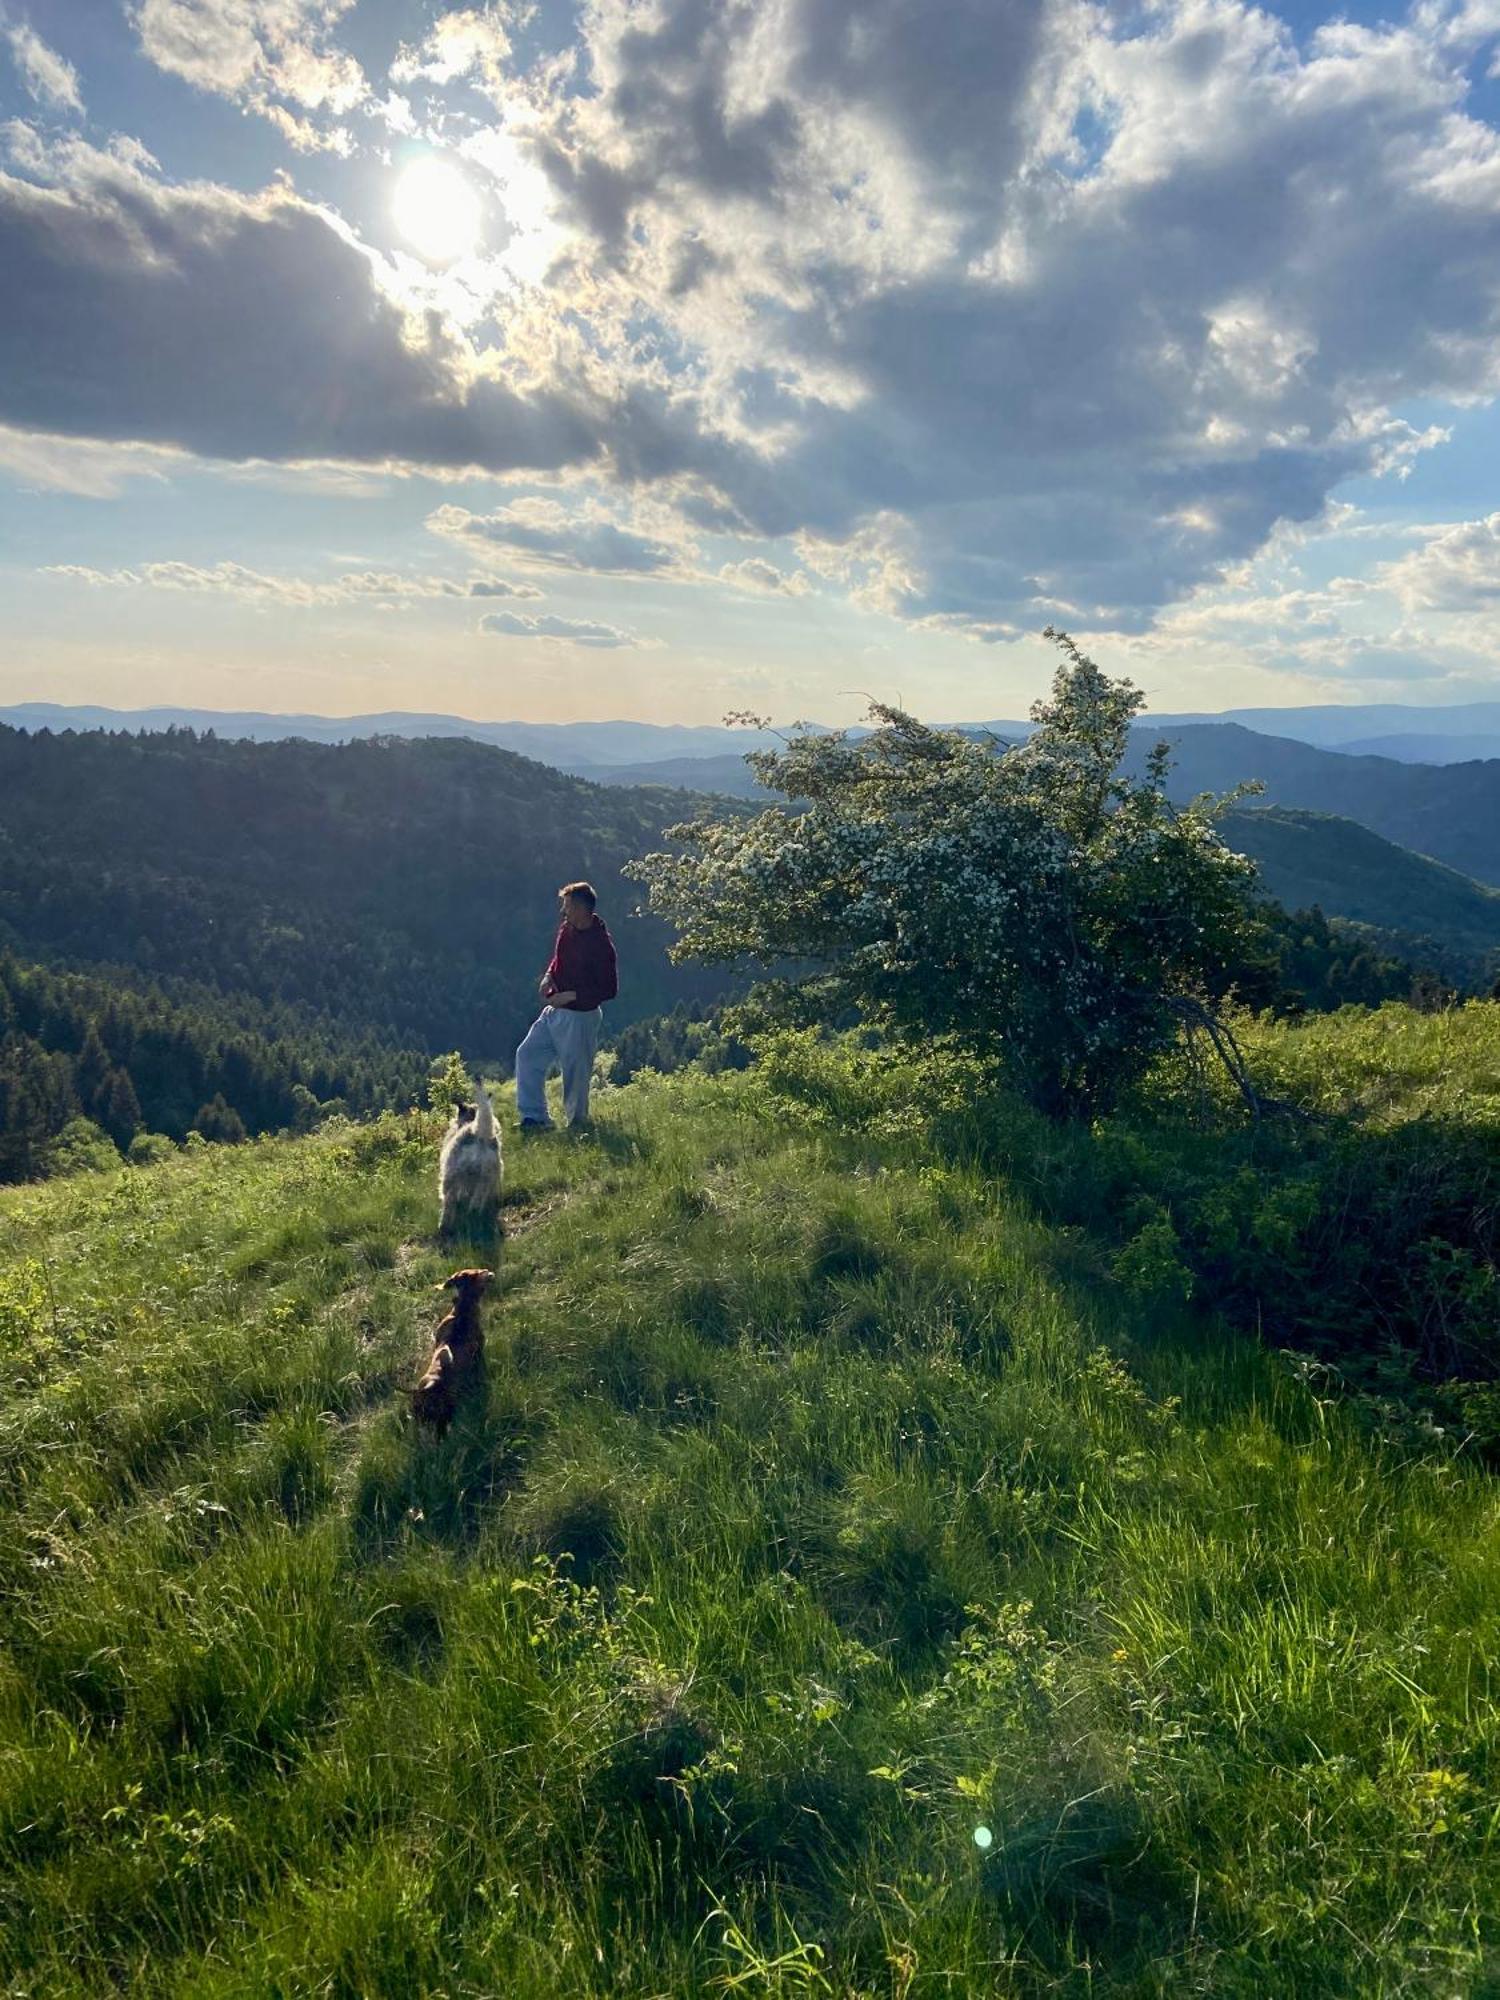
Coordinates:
1226	1047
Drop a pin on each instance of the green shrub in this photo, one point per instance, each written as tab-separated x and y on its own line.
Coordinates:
1029	903
219	1122
81	1148
449	1082
147	1149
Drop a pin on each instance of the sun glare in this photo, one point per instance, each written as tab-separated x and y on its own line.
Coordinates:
438	211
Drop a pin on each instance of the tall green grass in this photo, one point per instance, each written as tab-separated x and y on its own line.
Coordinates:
825	1508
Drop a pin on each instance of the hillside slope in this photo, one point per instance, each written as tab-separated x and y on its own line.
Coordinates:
1419	748
845	1589
1450	812
408	886
1308	858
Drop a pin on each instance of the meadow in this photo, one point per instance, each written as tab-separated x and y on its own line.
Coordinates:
885	1564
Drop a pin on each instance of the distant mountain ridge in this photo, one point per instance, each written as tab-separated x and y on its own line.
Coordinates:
1425	749
1448	812
1440	735
1355	832
1333	725
561	744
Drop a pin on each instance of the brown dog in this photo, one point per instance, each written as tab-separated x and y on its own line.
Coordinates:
453	1366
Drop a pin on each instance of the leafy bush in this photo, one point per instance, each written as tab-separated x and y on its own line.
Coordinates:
219	1122
1033	903
81	1148
448	1082
147	1149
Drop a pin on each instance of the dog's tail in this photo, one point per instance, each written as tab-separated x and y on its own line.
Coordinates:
484	1115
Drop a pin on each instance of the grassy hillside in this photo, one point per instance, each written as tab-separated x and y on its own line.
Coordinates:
408	886
852	1586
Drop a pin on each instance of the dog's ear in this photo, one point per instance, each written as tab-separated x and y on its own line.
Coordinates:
464	1114
463	1281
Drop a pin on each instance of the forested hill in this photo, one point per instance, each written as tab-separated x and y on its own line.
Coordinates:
402	885
1450	812
1419	907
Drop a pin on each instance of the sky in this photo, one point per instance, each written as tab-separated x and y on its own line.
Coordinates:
665	358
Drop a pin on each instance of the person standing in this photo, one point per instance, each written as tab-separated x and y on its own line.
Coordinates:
581	976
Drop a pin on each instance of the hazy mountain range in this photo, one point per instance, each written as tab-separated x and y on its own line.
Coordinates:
561	744
1436	735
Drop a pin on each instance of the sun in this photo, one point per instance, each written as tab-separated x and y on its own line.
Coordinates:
437	209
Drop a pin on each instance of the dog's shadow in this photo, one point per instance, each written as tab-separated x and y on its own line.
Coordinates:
412	1484
476	1244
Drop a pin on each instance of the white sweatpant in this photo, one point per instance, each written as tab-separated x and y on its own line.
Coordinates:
567	1038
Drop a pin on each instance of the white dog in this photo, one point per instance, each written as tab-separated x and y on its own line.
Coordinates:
469	1169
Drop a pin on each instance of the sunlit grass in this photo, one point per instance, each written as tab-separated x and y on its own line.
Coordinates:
825	1506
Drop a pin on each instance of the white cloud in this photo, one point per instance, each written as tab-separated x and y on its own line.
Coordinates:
546	533
1425	617
276	57
1027	286
40	462
1457	569
245	327
463	43
66	159
1060	305
304	135
395	113
233	579
50	78
567	631
754	573
500	586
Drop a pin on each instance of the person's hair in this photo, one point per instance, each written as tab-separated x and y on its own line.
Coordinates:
584	891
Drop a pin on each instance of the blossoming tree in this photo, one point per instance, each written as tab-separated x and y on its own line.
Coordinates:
1031	901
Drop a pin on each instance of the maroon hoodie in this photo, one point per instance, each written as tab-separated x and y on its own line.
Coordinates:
583	964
